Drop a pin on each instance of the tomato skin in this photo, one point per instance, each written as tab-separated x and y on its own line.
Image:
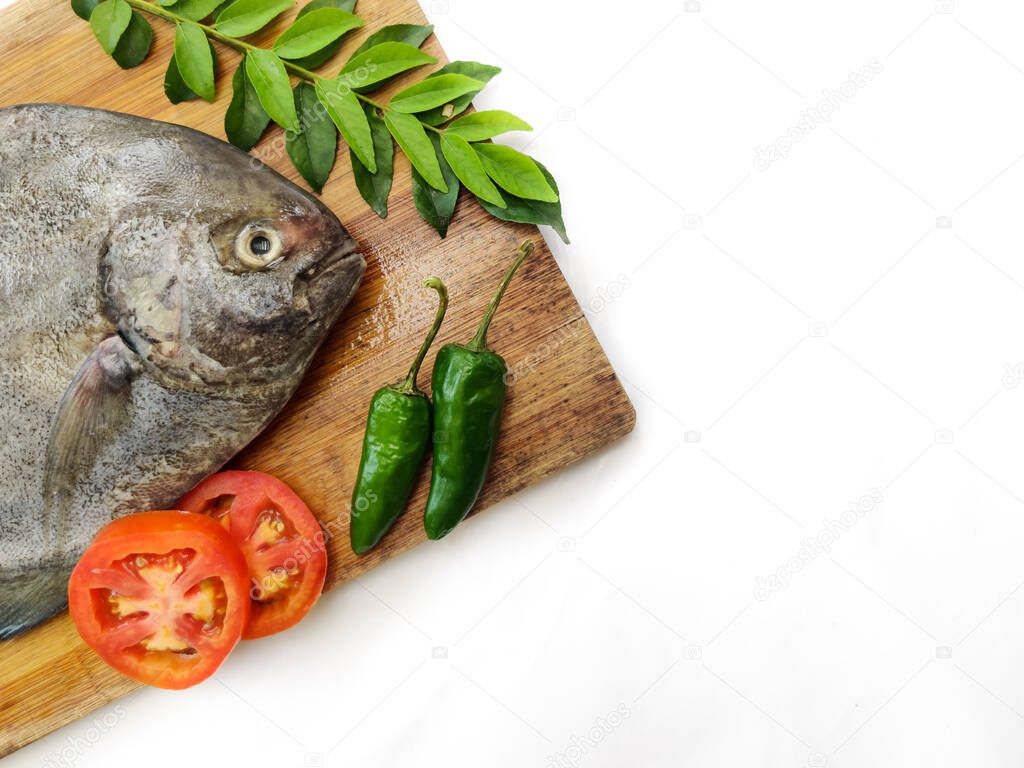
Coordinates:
216	557
248	495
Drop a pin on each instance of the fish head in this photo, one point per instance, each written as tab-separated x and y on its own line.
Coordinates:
248	273
283	267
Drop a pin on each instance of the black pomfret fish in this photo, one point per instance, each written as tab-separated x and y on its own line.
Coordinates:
161	297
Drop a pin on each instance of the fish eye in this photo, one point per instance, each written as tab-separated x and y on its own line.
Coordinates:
258	247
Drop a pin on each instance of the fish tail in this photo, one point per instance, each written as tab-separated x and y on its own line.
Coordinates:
31	596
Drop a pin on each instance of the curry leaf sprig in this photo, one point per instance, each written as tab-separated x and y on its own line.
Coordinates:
446	147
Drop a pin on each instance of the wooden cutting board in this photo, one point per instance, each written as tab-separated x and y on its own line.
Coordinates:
565	401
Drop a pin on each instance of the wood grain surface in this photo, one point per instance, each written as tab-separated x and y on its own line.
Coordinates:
564	402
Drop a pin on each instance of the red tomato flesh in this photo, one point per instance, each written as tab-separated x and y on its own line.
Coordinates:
161	596
280	538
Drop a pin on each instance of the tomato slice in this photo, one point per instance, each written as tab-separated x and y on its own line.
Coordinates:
161	596
280	538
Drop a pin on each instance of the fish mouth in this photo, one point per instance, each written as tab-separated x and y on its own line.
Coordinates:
315	292
338	255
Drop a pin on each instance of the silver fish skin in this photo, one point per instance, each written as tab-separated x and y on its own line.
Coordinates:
161	296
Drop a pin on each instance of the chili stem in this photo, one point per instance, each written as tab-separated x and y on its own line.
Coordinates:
409	387
479	342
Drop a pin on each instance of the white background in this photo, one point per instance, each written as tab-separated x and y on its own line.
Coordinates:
843	327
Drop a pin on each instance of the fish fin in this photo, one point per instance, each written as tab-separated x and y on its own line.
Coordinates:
92	408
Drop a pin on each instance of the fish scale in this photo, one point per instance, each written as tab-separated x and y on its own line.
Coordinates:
140	347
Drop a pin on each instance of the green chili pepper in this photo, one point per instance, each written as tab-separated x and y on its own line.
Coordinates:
469	392
397	436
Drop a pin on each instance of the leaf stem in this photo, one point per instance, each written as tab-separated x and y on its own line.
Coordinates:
163	13
243	47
